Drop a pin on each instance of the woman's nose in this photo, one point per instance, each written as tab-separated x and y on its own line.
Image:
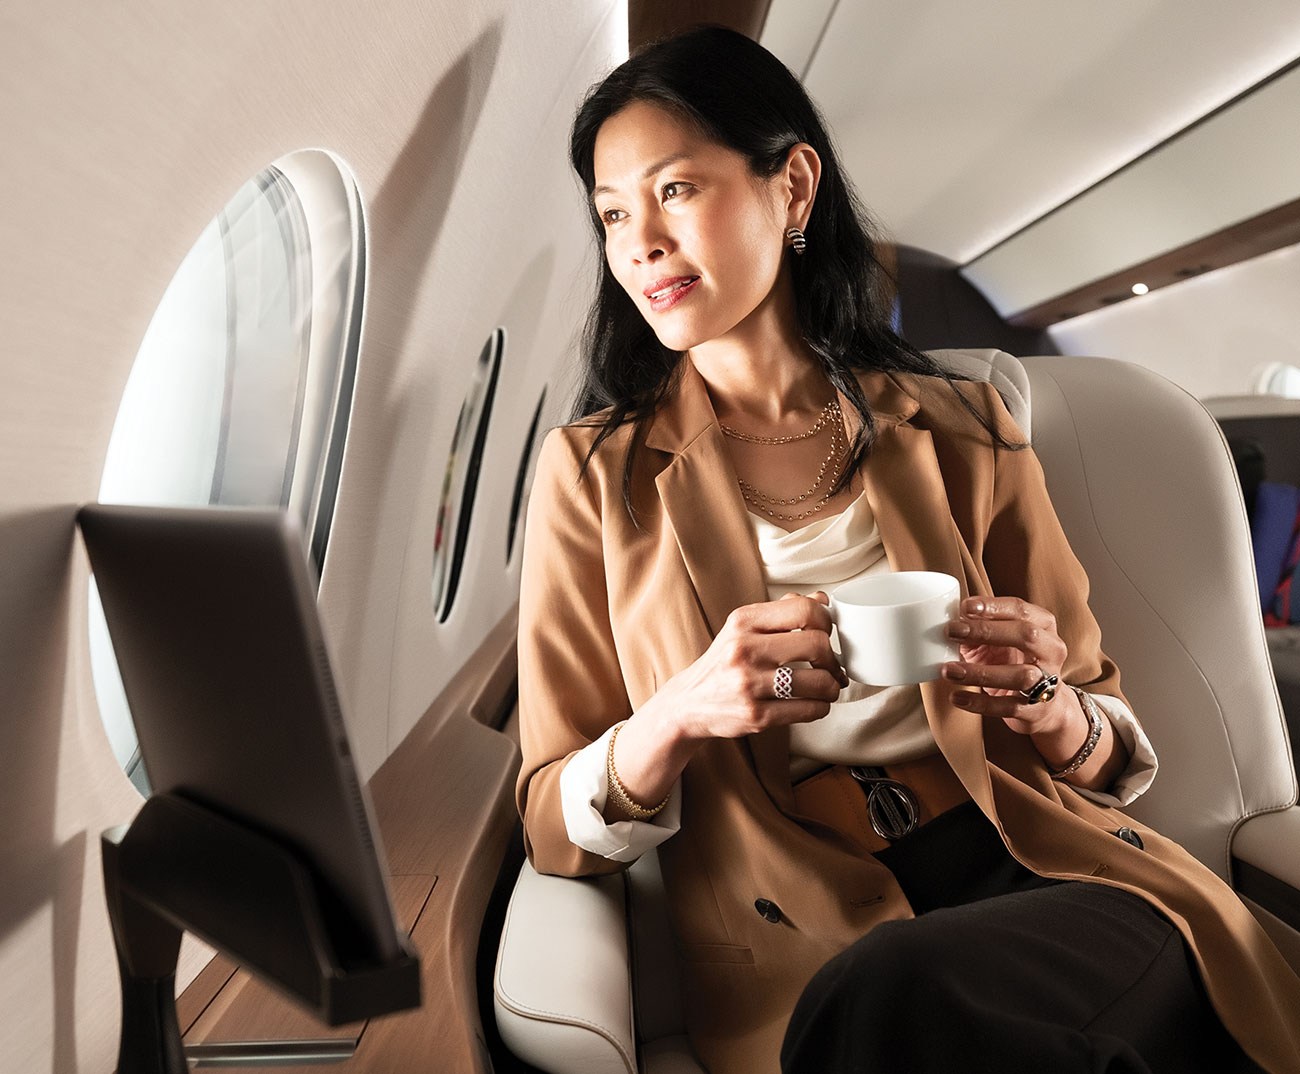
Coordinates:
650	240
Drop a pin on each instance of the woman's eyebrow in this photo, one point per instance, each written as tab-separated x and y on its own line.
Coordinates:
657	166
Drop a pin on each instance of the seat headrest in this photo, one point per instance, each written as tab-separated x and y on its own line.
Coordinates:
998	368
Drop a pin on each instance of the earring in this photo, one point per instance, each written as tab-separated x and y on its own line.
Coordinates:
797	240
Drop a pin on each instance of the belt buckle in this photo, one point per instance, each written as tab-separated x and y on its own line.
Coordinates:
892	808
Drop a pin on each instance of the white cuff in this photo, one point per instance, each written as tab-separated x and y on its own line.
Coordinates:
584	784
1142	763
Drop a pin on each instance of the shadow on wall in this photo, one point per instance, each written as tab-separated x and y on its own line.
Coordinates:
523	309
940	308
409	209
521	314
405	219
39	871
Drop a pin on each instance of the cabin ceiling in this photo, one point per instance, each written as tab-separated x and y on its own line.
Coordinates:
651	19
962	124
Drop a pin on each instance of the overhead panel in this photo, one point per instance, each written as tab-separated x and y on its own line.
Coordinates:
961	123
1225	188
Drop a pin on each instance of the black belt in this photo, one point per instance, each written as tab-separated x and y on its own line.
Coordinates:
892	808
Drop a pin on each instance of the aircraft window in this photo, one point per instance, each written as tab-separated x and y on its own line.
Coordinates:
517	501
460	479
241	390
1279	378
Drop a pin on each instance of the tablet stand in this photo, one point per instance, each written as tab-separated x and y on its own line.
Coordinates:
182	866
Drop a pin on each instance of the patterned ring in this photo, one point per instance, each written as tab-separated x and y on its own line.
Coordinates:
1043	690
782	680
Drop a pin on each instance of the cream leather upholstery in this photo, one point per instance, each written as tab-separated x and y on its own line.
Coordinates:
1145	487
563	978
1146	490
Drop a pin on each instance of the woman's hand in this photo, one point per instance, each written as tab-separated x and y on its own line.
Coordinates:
730	690
1007	645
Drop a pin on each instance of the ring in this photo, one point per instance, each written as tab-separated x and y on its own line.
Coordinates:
782	679
1043	690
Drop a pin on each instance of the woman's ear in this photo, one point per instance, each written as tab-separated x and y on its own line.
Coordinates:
803	170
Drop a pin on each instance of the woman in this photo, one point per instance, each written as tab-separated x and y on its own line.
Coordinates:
754	433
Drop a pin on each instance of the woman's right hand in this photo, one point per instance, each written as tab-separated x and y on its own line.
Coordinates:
730	692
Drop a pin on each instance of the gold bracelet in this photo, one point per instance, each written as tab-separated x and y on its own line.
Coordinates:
1095	719
619	793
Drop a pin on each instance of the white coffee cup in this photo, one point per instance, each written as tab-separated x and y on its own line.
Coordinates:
891	626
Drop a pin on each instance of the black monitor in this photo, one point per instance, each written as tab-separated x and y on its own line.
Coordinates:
212	614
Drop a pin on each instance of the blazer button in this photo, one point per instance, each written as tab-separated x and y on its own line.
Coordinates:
768	910
1131	837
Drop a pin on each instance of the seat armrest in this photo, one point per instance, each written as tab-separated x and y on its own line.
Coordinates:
1266	863
563	984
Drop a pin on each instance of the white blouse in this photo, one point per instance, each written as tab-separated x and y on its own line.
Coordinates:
870	725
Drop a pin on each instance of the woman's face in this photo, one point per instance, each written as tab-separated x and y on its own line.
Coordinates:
691	235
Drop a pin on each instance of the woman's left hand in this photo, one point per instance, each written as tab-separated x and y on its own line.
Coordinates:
1008	645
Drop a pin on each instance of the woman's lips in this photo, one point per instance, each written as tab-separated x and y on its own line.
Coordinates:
664	294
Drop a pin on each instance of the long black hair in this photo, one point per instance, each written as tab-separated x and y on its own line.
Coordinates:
741	96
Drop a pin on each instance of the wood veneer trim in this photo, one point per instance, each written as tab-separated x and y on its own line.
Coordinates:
490	702
1258	235
207	984
472	769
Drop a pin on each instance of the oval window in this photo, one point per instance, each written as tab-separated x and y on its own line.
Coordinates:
241	390
521	479
1279	378
460	478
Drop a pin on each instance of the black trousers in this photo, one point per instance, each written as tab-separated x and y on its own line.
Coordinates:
1002	970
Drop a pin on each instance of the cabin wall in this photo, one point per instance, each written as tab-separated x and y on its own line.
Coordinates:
1211	334
127	127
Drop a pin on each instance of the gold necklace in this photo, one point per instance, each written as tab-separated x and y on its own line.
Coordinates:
831	409
753	496
780	514
821	476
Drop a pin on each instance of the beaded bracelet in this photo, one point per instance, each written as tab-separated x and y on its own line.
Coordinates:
619	793
1094	736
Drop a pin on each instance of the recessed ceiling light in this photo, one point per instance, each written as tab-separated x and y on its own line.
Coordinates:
1140	289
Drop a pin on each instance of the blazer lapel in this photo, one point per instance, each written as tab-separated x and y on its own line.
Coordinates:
702	500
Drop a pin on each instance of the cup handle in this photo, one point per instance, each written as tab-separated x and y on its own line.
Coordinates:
835	622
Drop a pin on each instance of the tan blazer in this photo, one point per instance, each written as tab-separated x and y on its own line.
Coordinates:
609	612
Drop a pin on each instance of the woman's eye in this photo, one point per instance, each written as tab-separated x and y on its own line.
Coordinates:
611	216
672	190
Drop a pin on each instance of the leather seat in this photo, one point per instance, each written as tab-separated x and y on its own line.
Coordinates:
1146	490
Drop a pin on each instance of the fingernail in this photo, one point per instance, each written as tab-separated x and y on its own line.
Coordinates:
962	701
959	630
975	607
956	672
